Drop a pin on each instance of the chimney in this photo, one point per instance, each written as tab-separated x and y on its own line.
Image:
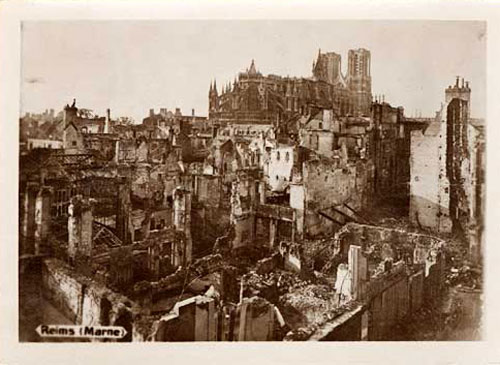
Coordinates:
192	112
463	82
108	119
151	112
458	80
178	112
467	84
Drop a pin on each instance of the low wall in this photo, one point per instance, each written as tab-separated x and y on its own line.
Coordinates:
254	320
346	327
401	295
392	298
63	290
388	307
85	301
194	319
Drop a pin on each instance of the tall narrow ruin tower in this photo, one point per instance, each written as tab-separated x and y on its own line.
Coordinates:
457	152
359	80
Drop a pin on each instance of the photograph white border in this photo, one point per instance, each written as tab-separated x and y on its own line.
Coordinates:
12	13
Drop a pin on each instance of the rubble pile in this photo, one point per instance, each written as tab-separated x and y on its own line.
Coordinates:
284	281
402	223
198	269
315	302
246	257
206	265
461	272
464	277
268	264
318	254
304	332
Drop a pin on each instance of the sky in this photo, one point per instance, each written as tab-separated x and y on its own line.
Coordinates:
133	66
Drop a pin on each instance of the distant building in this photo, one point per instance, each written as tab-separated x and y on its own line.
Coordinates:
257	99
34	143
85	122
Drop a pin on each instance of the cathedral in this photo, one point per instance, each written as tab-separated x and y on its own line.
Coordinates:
257	99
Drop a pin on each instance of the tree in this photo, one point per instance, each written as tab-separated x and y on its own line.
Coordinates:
125	121
86	113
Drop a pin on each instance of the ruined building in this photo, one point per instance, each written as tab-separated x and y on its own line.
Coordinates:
447	170
389	147
251	225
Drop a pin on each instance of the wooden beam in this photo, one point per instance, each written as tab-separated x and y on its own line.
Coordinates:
345	215
352	210
330	218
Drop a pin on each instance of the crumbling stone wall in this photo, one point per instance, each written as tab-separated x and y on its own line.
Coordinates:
63	290
211	212
194	319
389	306
208	190
80	227
242	217
85	301
182	221
401	241
328	185
198	268
346	327
440	166
395	290
429	184
405	271
416	291
255	320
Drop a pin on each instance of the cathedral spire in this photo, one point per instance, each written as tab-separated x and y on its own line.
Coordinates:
252	70
317	62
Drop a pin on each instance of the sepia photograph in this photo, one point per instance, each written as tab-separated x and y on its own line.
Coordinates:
251	180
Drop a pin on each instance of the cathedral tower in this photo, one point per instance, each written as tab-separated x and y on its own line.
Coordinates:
327	67
213	98
359	80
